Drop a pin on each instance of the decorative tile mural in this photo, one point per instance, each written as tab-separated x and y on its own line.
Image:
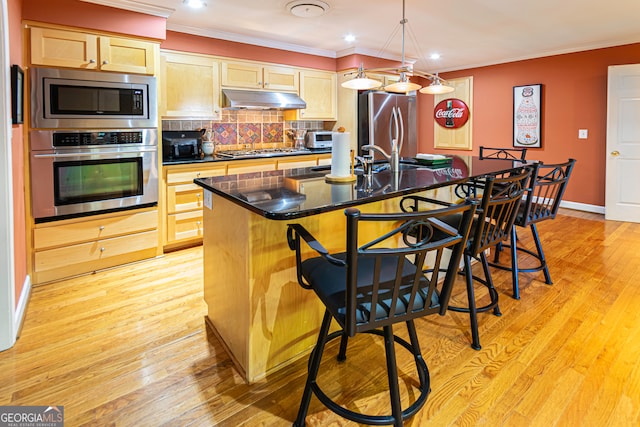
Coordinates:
249	133
226	133
272	132
238	128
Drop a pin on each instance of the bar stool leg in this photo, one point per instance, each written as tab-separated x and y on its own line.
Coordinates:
392	374
342	354
493	294
473	312
314	366
514	264
543	261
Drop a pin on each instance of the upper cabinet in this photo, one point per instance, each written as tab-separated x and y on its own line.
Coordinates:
189	86
319	89
74	49
251	75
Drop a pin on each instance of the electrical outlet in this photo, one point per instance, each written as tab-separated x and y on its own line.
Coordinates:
583	133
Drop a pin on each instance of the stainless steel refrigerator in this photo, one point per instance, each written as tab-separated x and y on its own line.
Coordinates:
384	116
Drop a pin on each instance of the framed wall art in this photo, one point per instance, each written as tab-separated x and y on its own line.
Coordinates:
527	115
17	95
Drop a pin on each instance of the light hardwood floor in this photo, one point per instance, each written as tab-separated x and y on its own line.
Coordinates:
129	347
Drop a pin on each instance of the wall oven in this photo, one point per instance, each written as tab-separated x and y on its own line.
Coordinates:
83	172
62	98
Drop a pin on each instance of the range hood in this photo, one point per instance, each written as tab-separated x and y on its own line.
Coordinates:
261	100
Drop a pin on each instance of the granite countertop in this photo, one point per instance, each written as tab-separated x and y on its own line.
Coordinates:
215	158
295	193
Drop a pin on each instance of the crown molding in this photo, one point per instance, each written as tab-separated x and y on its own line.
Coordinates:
135	6
256	41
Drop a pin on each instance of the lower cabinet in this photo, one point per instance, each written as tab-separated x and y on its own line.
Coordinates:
82	245
183	201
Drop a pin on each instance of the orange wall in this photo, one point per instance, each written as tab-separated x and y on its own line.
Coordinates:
205	45
87	15
574	96
17	161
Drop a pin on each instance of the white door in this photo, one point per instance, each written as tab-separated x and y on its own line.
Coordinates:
622	201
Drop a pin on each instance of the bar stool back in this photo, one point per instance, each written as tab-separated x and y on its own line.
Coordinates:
503	153
374	285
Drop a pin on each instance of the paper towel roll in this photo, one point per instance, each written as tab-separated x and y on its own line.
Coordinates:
341	155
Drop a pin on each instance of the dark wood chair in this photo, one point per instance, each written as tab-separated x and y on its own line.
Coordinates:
503	153
495	215
540	202
374	285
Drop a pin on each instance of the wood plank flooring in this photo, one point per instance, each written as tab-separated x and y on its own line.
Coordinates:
129	347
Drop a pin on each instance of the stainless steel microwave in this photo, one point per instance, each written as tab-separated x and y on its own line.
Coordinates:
77	99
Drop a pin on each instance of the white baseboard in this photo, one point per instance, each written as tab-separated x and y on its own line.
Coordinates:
22	305
582	207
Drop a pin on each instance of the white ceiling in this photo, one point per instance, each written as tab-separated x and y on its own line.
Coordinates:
466	33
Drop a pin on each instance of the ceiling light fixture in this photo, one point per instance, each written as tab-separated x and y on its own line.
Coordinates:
308	8
195	4
361	81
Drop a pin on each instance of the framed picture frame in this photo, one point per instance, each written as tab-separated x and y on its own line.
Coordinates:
527	116
17	95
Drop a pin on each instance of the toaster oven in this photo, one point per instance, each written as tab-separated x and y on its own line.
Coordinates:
319	139
181	145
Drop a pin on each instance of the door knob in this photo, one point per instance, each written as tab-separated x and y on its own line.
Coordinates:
615	153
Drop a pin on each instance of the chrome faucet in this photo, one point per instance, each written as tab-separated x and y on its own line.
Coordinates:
393	158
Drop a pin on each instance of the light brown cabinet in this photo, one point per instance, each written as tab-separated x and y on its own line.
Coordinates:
73	49
319	89
190	86
184	199
249	75
184	202
77	246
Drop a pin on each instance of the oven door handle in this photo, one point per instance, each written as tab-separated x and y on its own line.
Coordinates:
100	154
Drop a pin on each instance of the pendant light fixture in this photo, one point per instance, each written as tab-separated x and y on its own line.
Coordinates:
403	85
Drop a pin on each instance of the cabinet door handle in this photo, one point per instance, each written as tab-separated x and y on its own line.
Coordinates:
615	153
92	61
101	228
102	249
259	83
105	62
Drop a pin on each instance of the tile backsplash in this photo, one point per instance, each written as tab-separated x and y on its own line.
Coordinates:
243	128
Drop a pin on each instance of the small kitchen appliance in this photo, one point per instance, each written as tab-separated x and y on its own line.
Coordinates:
320	139
181	145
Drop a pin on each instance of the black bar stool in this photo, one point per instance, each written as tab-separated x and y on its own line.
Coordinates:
374	285
499	201
540	202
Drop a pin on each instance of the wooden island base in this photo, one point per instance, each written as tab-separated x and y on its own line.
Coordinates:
255	305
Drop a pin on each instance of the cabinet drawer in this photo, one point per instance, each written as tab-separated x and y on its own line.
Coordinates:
70	257
186	225
299	163
183	197
82	231
187	176
246	167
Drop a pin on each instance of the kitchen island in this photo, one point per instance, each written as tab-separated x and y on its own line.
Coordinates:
255	305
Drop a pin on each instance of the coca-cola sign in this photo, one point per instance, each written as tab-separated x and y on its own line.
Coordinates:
451	113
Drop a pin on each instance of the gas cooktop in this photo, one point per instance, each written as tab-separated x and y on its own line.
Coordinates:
264	152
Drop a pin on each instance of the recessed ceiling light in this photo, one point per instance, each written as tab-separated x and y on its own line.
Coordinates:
435	56
195	4
308	8
349	38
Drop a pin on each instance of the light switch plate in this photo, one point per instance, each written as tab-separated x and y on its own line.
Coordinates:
583	133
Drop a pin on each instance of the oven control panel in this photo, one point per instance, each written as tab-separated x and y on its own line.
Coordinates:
75	139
